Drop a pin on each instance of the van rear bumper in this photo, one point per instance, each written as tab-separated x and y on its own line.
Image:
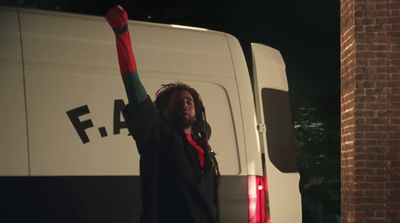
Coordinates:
85	199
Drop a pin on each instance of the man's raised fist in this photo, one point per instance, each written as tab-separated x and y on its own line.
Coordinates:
117	17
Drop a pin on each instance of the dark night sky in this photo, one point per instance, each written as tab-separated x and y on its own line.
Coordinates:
305	32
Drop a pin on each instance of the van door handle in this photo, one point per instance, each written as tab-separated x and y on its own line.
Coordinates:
261	127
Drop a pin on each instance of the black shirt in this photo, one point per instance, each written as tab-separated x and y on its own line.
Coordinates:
174	188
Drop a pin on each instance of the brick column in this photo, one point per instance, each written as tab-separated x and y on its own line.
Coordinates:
370	110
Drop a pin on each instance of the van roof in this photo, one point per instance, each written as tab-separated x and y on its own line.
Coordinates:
86	40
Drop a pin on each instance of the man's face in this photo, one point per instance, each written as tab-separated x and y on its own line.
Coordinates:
181	110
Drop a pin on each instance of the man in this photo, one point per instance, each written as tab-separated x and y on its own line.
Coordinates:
178	170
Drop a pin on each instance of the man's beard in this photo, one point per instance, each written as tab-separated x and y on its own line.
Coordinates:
182	122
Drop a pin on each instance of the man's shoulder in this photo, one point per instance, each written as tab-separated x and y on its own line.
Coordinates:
145	123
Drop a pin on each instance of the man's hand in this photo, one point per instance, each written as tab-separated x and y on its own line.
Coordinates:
117	18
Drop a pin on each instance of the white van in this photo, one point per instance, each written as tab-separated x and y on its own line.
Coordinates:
65	153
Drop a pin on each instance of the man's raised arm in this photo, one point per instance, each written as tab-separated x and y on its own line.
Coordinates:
117	18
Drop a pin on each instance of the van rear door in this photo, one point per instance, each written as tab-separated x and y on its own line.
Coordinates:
276	134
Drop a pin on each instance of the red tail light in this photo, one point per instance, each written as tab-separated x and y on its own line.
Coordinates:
258	200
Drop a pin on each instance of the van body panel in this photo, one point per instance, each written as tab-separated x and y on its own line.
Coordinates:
55	145
253	158
13	137
53	67
269	74
81	40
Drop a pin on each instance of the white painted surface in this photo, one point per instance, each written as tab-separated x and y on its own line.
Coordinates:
13	136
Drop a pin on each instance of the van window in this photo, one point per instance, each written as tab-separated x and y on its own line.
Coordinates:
280	133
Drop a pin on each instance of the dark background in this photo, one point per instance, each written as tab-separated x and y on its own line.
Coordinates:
307	35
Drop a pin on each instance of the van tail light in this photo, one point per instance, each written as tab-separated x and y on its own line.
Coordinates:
258	200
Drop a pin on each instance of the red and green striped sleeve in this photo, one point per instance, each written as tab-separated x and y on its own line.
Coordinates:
118	18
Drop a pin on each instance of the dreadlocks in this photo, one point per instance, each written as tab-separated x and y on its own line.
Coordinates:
163	96
201	130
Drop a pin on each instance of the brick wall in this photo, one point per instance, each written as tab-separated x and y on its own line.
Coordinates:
370	110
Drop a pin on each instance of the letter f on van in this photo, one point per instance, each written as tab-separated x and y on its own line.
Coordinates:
79	125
